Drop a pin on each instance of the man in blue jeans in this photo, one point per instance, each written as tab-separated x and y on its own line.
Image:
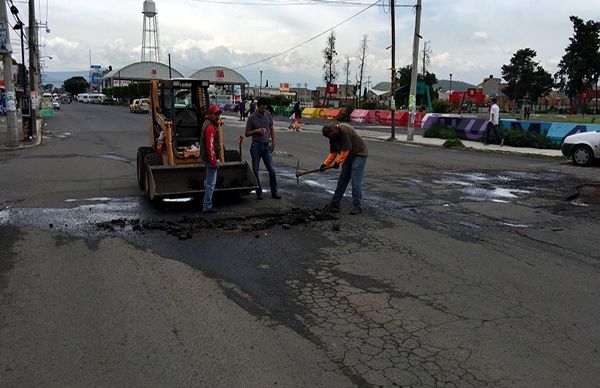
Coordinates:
260	127
209	144
346	148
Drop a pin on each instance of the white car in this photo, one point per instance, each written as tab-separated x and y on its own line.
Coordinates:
55	104
582	147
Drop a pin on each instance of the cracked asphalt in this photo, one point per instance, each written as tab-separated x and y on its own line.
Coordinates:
465	270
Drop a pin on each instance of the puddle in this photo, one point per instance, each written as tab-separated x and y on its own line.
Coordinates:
99	199
481	187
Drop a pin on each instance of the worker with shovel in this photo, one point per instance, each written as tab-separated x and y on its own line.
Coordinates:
346	149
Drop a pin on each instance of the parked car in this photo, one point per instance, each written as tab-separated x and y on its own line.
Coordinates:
133	106
55	104
109	101
143	106
582	148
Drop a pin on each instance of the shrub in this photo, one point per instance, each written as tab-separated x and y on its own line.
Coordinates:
441	106
453	143
519	138
440	131
368	105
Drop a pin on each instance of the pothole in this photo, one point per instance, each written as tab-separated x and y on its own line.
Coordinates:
184	227
586	194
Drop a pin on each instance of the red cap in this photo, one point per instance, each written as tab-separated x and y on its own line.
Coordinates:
214	109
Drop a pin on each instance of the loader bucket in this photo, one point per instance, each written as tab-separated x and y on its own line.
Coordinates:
188	180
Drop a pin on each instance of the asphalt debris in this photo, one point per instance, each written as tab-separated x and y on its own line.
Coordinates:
185	227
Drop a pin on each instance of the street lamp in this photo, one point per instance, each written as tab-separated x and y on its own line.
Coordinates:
260	85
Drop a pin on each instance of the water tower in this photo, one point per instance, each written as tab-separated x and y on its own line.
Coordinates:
150	46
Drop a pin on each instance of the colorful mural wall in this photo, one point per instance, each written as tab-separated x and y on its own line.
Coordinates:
473	128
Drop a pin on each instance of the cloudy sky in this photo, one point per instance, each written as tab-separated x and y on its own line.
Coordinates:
470	39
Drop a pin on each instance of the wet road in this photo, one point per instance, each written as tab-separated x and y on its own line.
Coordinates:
466	269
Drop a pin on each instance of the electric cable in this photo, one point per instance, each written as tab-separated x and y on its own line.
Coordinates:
308	40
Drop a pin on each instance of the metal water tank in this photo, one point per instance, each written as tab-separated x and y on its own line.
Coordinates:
149	8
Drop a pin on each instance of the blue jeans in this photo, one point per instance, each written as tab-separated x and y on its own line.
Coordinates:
209	185
260	150
352	169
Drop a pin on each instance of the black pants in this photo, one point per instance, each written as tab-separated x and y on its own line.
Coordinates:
495	130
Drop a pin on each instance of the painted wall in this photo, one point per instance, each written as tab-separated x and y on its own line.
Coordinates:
473	128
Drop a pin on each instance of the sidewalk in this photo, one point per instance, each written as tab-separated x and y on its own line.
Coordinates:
433	142
22	144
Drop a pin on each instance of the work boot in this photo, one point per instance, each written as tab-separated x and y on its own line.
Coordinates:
332	209
275	196
209	211
355	211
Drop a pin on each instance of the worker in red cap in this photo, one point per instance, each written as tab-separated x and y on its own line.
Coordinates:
209	144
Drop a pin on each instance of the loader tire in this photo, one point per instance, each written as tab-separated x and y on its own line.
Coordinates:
140	166
232	156
151	159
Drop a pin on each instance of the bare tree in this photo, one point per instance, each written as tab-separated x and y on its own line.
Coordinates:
347	62
426	56
329	55
362	58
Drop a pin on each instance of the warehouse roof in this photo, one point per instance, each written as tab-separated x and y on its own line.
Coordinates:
219	75
144	71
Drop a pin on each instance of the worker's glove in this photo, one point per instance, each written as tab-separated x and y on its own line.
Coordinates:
322	168
336	165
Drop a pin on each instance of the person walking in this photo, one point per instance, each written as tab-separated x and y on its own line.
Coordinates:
252	106
297	116
346	149
260	127
209	144
242	109
493	124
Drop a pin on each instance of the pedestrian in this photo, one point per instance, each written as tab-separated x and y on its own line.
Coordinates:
252	106
346	149
242	109
260	127
209	144
526	113
297	116
493	124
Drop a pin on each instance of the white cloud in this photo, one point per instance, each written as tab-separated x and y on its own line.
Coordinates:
480	35
469	41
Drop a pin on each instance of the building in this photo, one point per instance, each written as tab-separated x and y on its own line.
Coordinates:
139	72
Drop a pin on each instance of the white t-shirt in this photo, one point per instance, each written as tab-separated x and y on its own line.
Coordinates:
495	114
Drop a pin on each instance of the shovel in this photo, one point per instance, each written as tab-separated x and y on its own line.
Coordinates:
305	172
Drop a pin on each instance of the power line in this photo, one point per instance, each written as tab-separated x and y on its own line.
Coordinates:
308	40
340	3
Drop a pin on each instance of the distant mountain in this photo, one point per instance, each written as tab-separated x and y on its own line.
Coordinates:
457	86
57	78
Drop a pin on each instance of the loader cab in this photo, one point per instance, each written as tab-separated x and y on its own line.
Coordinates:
185	103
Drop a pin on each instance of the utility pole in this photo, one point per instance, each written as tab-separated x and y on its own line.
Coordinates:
393	86
412	98
33	69
12	134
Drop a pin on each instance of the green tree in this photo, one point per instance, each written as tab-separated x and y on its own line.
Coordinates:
329	56
403	88
48	87
76	85
579	68
525	77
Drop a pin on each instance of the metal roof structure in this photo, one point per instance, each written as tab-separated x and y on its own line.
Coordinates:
219	75
144	71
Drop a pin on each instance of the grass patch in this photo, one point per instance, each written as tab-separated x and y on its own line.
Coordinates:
453	143
440	131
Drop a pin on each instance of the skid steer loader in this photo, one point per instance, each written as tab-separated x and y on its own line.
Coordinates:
172	166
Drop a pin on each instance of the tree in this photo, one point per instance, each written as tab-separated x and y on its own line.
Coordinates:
76	85
362	59
403	90
48	87
329	55
579	68
347	63
525	77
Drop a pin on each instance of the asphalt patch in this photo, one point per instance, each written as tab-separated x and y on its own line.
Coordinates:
185	227
587	193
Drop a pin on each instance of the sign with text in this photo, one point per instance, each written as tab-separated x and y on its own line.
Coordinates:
4	41
284	87
220	74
